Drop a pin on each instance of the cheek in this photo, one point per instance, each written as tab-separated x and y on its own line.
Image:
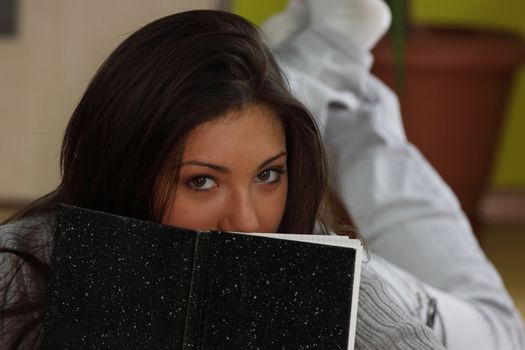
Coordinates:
196	214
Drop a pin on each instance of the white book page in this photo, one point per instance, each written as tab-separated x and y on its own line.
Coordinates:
335	240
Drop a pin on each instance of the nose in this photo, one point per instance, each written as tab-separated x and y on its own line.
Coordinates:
240	215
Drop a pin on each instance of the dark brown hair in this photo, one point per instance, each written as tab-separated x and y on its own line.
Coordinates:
124	141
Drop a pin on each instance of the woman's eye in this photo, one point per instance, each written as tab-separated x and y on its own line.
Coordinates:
269	176
201	183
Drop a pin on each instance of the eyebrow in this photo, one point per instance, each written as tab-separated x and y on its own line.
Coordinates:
225	170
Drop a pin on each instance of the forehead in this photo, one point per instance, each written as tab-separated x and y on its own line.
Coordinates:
254	129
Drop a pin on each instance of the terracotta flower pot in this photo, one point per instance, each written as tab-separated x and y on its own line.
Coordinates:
454	103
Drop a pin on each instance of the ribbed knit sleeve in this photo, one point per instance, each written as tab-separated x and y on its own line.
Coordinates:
22	288
381	324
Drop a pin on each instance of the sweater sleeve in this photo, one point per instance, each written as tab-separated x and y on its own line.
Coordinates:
382	324
20	286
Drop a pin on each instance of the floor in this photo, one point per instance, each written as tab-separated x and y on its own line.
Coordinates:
504	246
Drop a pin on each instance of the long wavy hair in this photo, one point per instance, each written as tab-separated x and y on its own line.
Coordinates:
124	141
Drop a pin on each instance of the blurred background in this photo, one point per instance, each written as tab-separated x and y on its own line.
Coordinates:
462	93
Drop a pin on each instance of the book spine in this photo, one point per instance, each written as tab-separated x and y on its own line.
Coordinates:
196	299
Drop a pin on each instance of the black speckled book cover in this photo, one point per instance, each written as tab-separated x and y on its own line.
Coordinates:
122	283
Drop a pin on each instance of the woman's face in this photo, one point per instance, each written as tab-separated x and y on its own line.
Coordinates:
233	174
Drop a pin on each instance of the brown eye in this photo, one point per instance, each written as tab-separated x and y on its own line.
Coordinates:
264	175
201	183
269	176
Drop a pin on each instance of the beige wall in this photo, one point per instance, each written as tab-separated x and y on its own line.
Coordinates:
45	69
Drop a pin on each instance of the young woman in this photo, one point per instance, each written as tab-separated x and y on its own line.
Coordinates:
189	112
421	242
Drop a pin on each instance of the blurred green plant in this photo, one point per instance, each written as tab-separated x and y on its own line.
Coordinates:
398	33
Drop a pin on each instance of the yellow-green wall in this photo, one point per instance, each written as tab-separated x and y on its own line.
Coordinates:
509	169
257	11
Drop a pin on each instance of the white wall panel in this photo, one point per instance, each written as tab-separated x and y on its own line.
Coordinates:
44	70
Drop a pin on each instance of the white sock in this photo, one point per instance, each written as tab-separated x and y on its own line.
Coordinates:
283	25
359	22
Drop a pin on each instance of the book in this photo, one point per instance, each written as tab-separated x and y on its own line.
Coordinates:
118	282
